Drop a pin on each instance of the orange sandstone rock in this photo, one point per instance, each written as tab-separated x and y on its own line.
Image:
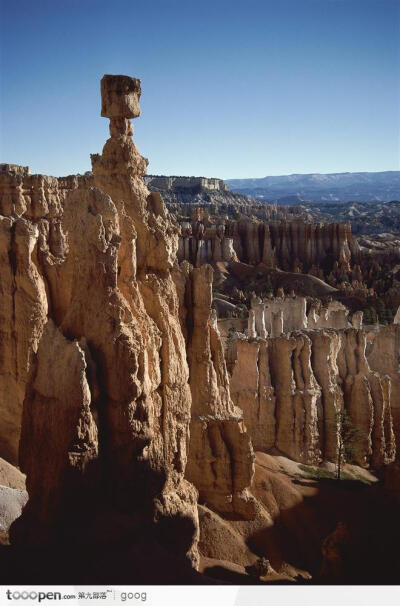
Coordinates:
107	404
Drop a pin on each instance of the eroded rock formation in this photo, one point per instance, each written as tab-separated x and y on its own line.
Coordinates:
111	354
112	350
293	245
32	249
221	456
101	354
292	386
277	315
383	348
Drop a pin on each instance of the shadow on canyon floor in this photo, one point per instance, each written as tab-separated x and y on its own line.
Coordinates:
361	522
346	532
144	563
318	530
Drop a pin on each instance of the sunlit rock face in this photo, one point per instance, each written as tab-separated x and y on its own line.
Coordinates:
383	347
291	387
94	352
294	245
115	393
221	459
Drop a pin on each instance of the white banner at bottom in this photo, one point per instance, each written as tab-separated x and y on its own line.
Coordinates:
200	595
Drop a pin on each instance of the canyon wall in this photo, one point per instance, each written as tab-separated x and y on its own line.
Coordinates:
32	248
115	394
220	462
292	386
289	245
182	184
383	348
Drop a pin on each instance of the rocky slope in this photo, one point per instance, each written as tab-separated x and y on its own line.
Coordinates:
308	524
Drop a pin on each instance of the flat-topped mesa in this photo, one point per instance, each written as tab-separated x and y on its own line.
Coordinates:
184	184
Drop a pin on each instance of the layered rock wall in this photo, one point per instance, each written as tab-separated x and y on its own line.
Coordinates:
291	388
32	247
289	245
184	183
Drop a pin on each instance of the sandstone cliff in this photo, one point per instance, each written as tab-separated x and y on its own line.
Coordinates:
291	387
383	347
221	456
32	249
293	245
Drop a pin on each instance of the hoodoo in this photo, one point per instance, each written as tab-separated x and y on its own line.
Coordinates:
107	401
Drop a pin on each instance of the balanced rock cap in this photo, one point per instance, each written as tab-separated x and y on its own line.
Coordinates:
120	96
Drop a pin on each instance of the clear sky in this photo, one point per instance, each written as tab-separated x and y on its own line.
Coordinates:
230	89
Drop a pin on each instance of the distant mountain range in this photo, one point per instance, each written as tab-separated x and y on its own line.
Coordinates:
315	187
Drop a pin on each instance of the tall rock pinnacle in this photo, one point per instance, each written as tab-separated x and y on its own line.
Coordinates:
107	410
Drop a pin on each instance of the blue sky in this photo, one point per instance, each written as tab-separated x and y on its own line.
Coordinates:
230	89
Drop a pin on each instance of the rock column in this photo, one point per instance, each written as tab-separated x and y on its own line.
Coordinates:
106	415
